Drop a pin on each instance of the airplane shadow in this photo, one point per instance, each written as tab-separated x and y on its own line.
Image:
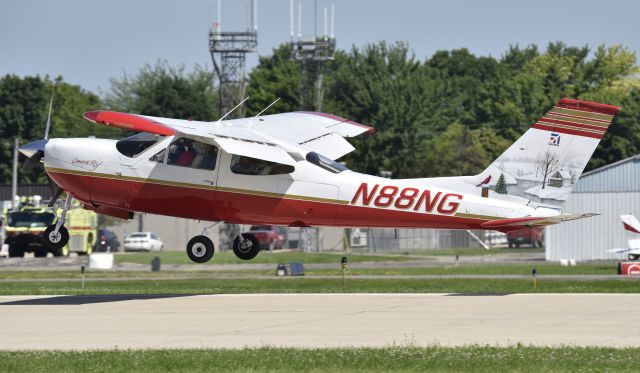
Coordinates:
76	300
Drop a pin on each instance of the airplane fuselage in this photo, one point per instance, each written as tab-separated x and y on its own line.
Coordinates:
95	172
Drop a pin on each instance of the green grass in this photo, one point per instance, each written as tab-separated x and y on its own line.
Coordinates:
543	268
270	359
472	251
214	285
227	257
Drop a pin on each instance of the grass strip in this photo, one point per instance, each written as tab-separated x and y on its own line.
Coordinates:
389	359
317	285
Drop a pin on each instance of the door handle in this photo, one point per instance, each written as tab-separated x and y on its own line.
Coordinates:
211	182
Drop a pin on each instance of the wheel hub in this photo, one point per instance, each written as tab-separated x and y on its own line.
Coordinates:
198	250
55	237
245	245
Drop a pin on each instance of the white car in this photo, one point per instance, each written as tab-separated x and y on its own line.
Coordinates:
142	241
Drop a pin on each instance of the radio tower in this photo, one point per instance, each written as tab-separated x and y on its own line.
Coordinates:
228	52
312	52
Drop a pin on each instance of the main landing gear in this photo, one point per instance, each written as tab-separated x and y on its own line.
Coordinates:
200	248
56	236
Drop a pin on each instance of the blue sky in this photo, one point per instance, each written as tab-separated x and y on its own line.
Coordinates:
87	42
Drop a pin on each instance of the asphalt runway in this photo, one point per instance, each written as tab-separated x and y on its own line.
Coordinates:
316	320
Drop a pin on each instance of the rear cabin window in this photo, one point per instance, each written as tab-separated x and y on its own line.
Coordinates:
132	146
242	165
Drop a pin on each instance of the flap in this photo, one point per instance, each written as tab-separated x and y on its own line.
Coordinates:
330	145
255	150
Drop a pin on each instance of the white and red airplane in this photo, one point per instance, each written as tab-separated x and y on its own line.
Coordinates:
281	169
631	225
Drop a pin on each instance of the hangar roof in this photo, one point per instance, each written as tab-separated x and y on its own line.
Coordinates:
621	176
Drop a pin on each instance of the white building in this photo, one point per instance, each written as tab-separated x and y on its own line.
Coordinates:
610	191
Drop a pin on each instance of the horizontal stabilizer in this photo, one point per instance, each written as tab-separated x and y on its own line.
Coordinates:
630	223
516	223
618	251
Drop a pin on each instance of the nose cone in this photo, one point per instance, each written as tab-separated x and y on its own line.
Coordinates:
32	148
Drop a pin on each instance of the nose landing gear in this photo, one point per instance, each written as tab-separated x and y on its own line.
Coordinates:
56	235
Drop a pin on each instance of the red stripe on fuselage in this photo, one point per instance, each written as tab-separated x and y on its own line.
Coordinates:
246	208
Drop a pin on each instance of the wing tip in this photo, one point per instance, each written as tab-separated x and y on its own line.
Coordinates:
340	119
92	116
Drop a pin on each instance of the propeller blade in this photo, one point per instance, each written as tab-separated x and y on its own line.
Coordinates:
33	160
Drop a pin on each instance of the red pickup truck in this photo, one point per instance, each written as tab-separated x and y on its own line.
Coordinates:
533	236
269	236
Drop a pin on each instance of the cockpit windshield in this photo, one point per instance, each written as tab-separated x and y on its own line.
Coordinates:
132	146
326	163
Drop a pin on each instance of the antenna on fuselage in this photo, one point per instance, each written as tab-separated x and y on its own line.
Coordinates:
267	108
231	111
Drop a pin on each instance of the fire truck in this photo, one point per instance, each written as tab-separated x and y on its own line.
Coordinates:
25	226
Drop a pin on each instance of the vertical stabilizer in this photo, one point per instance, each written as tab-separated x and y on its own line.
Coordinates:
546	162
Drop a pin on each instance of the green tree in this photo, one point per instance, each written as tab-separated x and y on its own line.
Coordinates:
501	185
462	151
276	76
24	104
165	91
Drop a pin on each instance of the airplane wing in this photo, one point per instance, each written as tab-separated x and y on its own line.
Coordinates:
519	223
276	134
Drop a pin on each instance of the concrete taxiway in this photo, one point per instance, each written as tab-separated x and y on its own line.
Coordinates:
317	320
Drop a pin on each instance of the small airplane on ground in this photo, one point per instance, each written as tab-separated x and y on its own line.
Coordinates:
281	169
631	225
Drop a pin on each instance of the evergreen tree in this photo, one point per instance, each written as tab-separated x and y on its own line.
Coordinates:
501	185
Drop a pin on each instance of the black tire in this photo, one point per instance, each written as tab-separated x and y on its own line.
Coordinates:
200	249
56	242
510	244
15	252
246	246
40	253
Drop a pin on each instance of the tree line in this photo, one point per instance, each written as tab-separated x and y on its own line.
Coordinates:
448	114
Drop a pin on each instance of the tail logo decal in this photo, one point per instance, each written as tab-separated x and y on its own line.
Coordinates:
555	139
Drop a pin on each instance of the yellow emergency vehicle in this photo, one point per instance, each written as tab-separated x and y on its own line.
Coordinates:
25	228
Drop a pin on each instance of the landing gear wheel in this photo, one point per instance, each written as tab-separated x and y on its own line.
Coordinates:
200	249
246	246
55	240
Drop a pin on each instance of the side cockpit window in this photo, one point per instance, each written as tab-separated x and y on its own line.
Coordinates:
133	146
159	156
242	165
186	152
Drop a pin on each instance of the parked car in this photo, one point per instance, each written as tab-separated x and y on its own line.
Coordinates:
533	236
107	242
269	236
142	241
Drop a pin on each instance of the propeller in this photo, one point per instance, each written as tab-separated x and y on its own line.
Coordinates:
34	151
